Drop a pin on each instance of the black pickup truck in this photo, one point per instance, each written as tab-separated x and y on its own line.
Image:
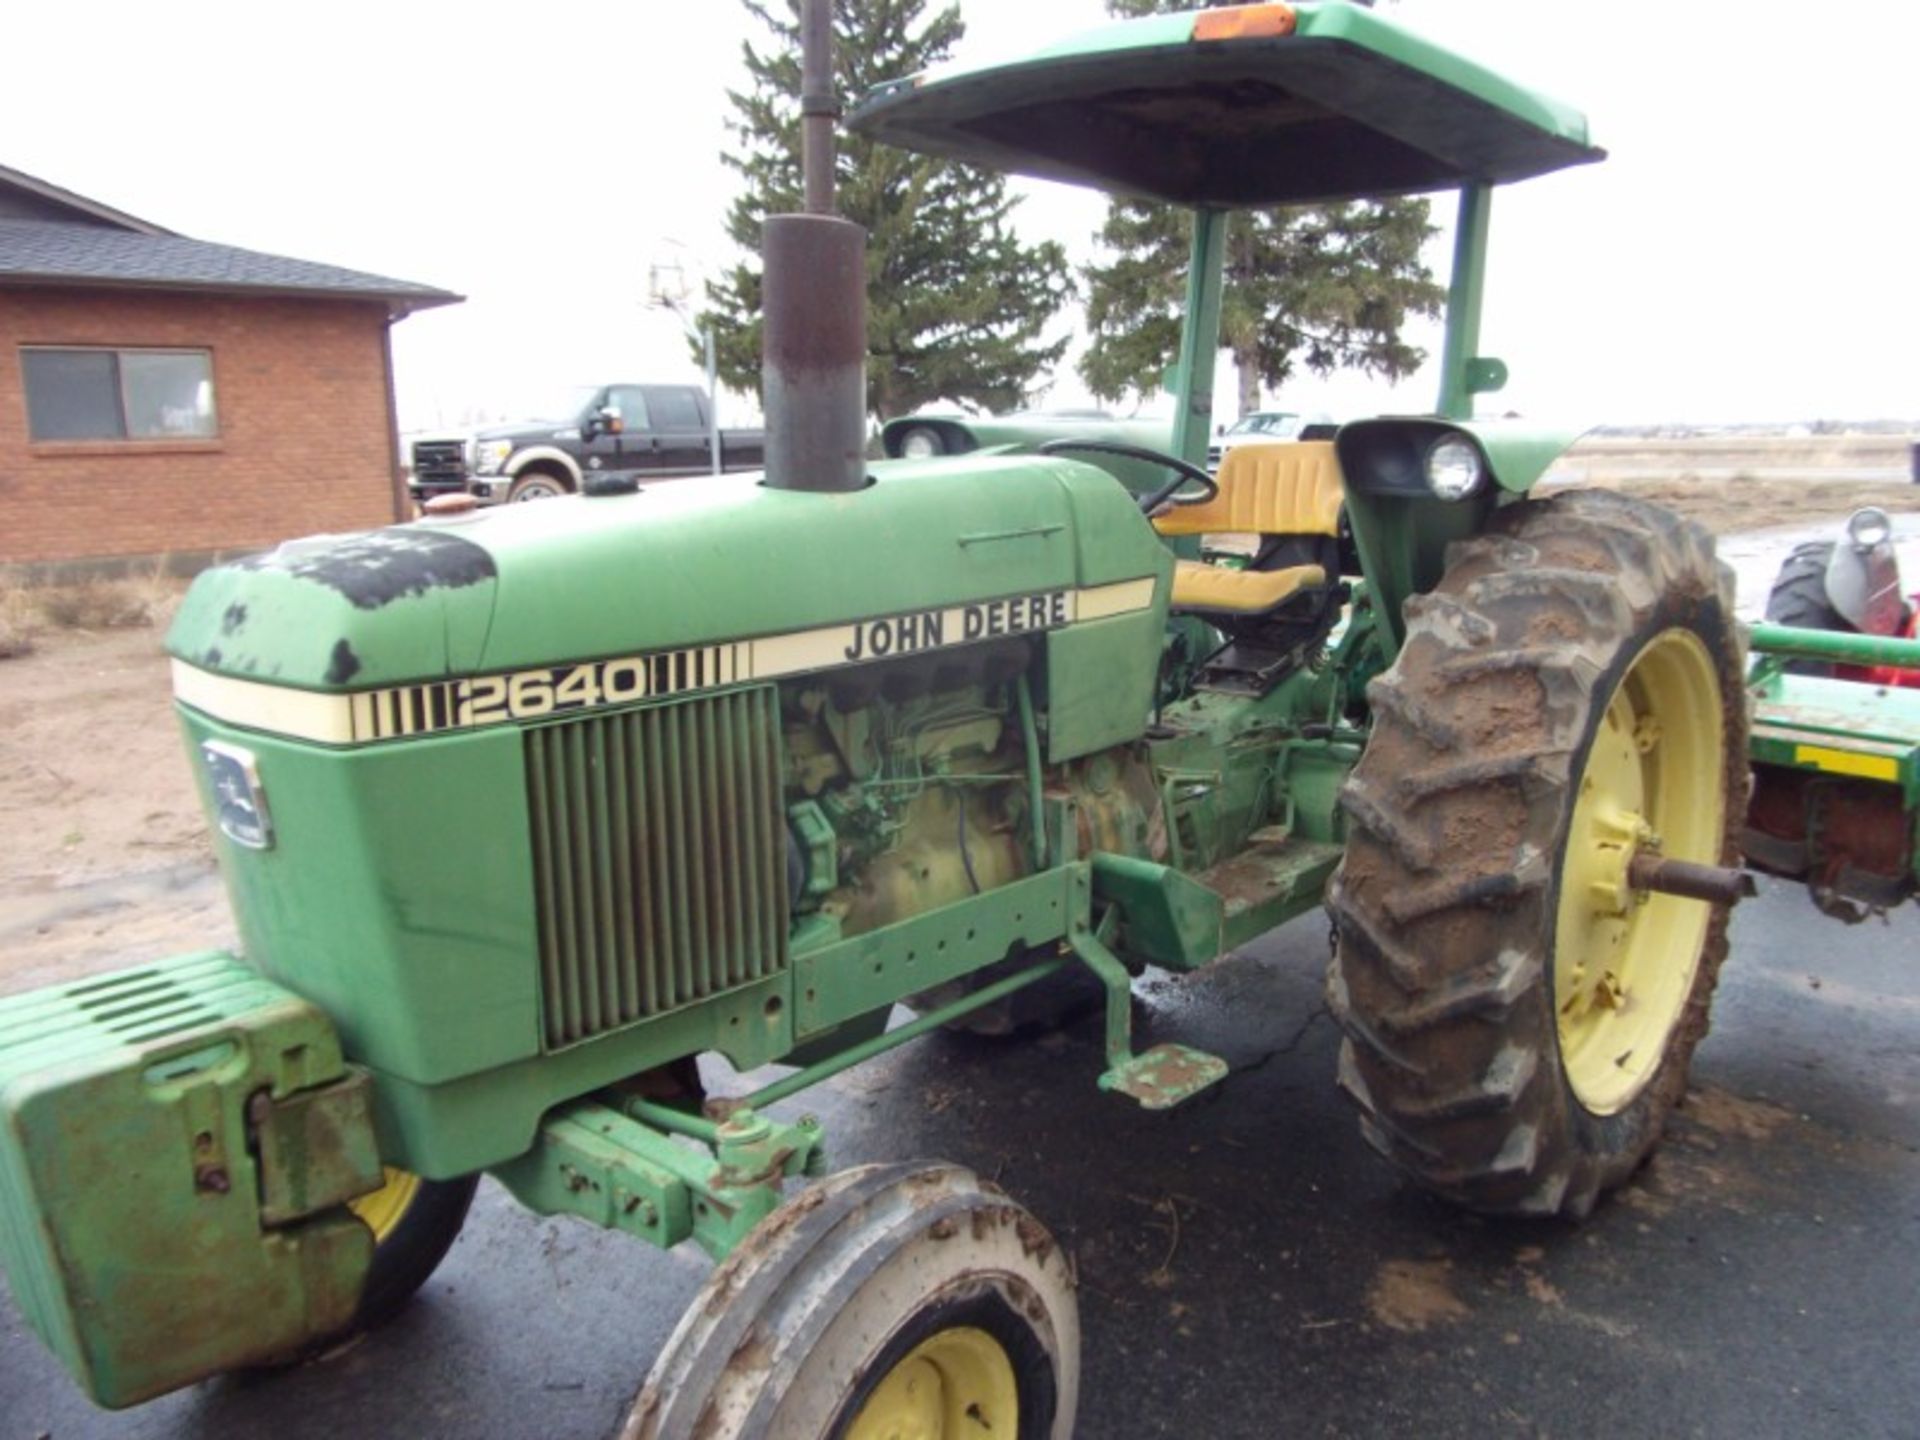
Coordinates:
648	432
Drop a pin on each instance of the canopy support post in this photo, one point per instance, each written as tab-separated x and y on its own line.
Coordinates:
1199	338
1464	296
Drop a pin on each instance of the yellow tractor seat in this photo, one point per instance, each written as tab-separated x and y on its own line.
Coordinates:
1199	586
1284	488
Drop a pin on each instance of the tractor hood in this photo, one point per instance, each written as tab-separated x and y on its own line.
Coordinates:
692	563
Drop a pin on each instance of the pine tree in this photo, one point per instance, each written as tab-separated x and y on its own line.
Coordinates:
1324	286
956	305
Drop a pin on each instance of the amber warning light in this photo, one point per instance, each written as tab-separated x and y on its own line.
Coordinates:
1243	22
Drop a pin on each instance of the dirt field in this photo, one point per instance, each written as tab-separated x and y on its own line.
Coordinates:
1599	459
104	857
1729	507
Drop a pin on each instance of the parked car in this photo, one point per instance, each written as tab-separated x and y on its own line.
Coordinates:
650	432
1258	425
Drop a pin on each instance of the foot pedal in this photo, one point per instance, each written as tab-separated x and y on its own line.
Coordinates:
1165	1075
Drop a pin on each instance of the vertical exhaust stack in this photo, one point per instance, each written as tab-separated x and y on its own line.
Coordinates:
814	303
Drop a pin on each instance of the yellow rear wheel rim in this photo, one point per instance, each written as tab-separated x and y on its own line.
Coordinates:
956	1384
382	1210
1625	960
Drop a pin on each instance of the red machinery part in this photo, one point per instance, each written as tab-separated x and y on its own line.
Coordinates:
1890	674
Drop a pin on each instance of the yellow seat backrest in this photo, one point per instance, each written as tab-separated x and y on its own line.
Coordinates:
1286	488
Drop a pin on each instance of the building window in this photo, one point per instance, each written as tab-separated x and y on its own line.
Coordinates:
118	394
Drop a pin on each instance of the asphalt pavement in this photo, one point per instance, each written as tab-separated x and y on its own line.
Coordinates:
1248	1268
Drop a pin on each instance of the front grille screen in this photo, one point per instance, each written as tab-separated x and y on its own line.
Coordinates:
659	857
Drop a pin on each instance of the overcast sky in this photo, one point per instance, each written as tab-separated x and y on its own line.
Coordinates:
1748	252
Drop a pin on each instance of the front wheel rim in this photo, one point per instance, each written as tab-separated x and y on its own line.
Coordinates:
1625	959
382	1210
956	1383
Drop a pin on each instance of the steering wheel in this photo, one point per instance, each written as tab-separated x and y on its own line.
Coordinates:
1183	472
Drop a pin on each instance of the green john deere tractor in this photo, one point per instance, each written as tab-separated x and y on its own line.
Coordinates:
522	812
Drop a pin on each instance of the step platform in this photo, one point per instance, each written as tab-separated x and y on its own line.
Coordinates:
1160	1078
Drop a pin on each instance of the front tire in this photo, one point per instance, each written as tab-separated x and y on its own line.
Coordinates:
1518	1022
922	442
537	485
889	1300
414	1224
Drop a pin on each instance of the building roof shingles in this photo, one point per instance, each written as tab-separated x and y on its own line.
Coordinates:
38	252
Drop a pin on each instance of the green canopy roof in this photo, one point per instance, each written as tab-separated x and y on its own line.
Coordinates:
1347	105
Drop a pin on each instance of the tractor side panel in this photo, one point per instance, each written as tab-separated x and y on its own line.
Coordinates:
1100	682
395	894
1101	674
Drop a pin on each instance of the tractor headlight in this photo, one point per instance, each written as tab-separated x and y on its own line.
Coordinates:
1869	526
1454	468
490	455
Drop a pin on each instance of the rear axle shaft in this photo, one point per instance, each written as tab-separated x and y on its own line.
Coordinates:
1717	884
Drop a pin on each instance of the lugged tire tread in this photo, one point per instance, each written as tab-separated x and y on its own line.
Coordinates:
1358	1028
1383	694
1403	964
1532	766
1534	659
1799	598
1422	900
1458	811
1489	995
1365	809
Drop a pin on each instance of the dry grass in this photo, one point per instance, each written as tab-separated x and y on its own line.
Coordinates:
30	612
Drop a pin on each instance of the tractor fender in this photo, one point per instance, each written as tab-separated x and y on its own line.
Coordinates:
1385	455
1401	527
1518	454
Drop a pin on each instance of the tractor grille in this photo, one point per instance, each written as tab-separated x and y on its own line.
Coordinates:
659	855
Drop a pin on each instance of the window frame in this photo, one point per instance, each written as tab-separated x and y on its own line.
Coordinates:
639	394
676	394
210	437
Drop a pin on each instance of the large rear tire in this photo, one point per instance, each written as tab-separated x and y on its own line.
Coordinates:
1518	1020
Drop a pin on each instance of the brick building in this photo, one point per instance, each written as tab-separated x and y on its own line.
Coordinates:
163	396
